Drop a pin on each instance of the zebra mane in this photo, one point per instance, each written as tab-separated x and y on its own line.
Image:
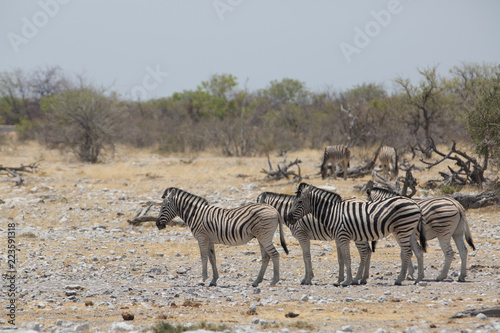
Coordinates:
332	195
303	186
382	190
175	190
262	197
300	188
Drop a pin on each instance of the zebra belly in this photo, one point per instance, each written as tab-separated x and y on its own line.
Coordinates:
232	241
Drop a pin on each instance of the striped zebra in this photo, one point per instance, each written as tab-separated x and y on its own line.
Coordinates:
444	218
388	158
213	225
309	228
364	221
335	154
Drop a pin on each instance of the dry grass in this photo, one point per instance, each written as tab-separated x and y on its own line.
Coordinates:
145	174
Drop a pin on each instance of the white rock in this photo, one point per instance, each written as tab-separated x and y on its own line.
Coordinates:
119	326
481	316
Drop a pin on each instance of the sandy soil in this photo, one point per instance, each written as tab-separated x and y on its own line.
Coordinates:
80	265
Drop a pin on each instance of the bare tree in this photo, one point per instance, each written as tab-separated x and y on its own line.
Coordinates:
81	118
426	99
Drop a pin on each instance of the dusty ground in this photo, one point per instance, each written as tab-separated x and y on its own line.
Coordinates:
80	265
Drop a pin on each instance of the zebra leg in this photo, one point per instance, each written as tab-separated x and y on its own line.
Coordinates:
344	167
340	259
405	259
305	244
211	257
364	265
448	252
419	253
265	263
411	271
346	254
462	250
204	252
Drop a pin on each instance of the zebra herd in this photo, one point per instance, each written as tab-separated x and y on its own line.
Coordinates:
387	156
317	214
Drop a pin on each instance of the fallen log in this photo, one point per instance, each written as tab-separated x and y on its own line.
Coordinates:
493	311
141	216
15	172
474	201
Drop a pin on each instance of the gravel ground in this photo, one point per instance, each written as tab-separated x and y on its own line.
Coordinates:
81	266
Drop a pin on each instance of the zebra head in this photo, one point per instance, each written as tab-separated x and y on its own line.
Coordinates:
168	208
324	170
301	205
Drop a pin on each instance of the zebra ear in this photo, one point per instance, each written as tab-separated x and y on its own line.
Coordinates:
167	193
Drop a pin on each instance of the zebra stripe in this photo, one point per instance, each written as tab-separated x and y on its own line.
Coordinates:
388	158
364	221
444	218
213	225
335	154
308	228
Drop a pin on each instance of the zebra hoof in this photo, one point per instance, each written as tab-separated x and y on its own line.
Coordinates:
397	283
306	283
461	279
212	284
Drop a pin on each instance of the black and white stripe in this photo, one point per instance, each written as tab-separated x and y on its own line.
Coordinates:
444	218
309	228
333	155
214	225
364	221
388	158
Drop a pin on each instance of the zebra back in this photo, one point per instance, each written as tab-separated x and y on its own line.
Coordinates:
282	202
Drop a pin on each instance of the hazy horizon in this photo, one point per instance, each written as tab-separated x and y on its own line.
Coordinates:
164	47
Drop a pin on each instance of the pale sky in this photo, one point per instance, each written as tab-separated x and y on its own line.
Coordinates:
152	49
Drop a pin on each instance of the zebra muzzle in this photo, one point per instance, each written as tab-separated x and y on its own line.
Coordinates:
160	225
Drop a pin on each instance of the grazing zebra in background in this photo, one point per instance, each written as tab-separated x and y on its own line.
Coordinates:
335	154
364	221
309	228
444	217
388	157
213	225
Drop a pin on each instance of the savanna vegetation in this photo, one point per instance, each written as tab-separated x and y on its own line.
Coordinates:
73	114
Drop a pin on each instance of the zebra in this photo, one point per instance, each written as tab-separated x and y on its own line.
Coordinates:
309	228
213	225
335	154
444	218
388	157
364	221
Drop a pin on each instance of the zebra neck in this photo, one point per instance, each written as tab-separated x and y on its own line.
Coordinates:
324	210
189	209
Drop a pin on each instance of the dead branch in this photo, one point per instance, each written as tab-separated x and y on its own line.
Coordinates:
15	172
282	170
362	170
470	170
141	216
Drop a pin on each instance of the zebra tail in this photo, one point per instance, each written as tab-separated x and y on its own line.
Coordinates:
423	239
468	235
374	243
282	236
